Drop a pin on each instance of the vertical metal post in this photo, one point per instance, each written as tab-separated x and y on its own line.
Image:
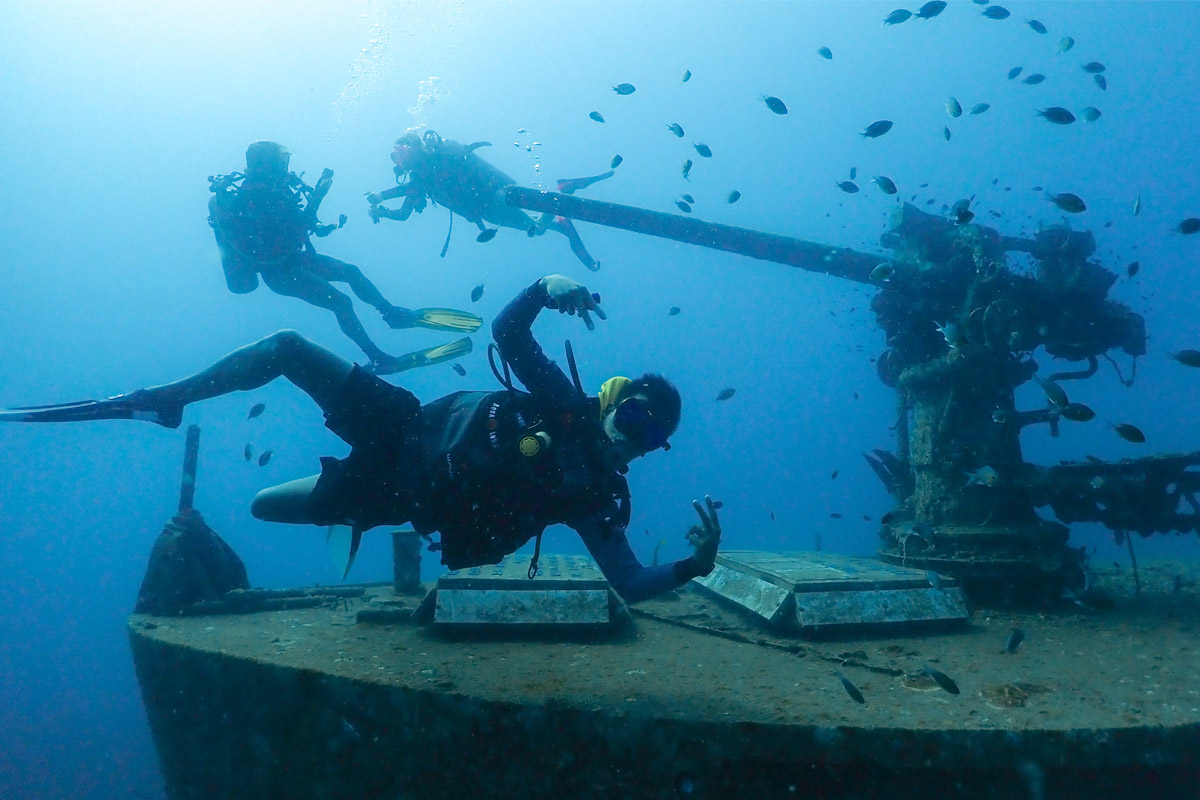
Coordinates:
191	452
406	561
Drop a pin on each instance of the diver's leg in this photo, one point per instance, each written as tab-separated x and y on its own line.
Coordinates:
337	271
287	502
299	283
317	372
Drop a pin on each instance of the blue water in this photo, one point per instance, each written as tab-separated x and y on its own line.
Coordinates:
114	114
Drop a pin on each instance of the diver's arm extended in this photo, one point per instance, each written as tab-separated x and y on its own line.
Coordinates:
512	331
391	193
629	578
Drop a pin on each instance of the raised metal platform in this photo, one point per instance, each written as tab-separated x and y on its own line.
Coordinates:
811	592
567	591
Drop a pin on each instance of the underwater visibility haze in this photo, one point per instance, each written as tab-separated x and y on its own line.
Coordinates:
807	119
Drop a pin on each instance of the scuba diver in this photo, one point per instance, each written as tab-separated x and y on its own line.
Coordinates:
452	175
487	470
263	219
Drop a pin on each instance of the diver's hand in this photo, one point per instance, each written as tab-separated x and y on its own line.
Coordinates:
325	181
705	537
572	297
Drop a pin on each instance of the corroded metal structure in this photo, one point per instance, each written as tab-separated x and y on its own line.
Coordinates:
962	323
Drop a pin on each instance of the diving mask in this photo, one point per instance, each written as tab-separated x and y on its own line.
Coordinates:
634	419
403	156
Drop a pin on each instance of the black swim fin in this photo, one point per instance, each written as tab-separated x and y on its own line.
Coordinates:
139	405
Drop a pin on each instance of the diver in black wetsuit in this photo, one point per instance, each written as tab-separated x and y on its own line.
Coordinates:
263	220
486	470
452	175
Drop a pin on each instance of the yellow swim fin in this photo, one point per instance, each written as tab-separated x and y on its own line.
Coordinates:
423	358
438	319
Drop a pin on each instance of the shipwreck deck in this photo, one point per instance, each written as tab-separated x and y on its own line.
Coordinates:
690	700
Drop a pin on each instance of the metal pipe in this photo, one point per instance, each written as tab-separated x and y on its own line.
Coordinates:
841	262
191	452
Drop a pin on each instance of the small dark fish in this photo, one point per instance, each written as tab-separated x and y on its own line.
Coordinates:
853	173
674	312
1134	268
849	187
687	198
772	514
773	103
624	88
726	393
897	16
851	689
1094	67
980	108
734	196
616	162
931	9
249	452
687	169
1037	26
866	517
1057	114
1101	81
833	477
460	369
1189	226
942	680
682	206
477	293
953	107
1054	393
877	128
687	76
1090	114
1015	637
676	129
1137	205
825	53
1189	358
1077	412
596	116
486	235
1071	203
1034	79
885	184
256	410
946	133
996	12
1066	44
718	504
265	457
961	211
704	150
1014	72
835	515
1130	433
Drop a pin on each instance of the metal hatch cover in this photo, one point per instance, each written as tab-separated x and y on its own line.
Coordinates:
568	590
811	591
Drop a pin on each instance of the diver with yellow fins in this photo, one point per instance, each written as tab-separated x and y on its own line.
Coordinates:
428	167
487	470
263	220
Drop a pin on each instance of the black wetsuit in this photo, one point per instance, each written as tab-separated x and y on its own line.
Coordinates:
488	470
